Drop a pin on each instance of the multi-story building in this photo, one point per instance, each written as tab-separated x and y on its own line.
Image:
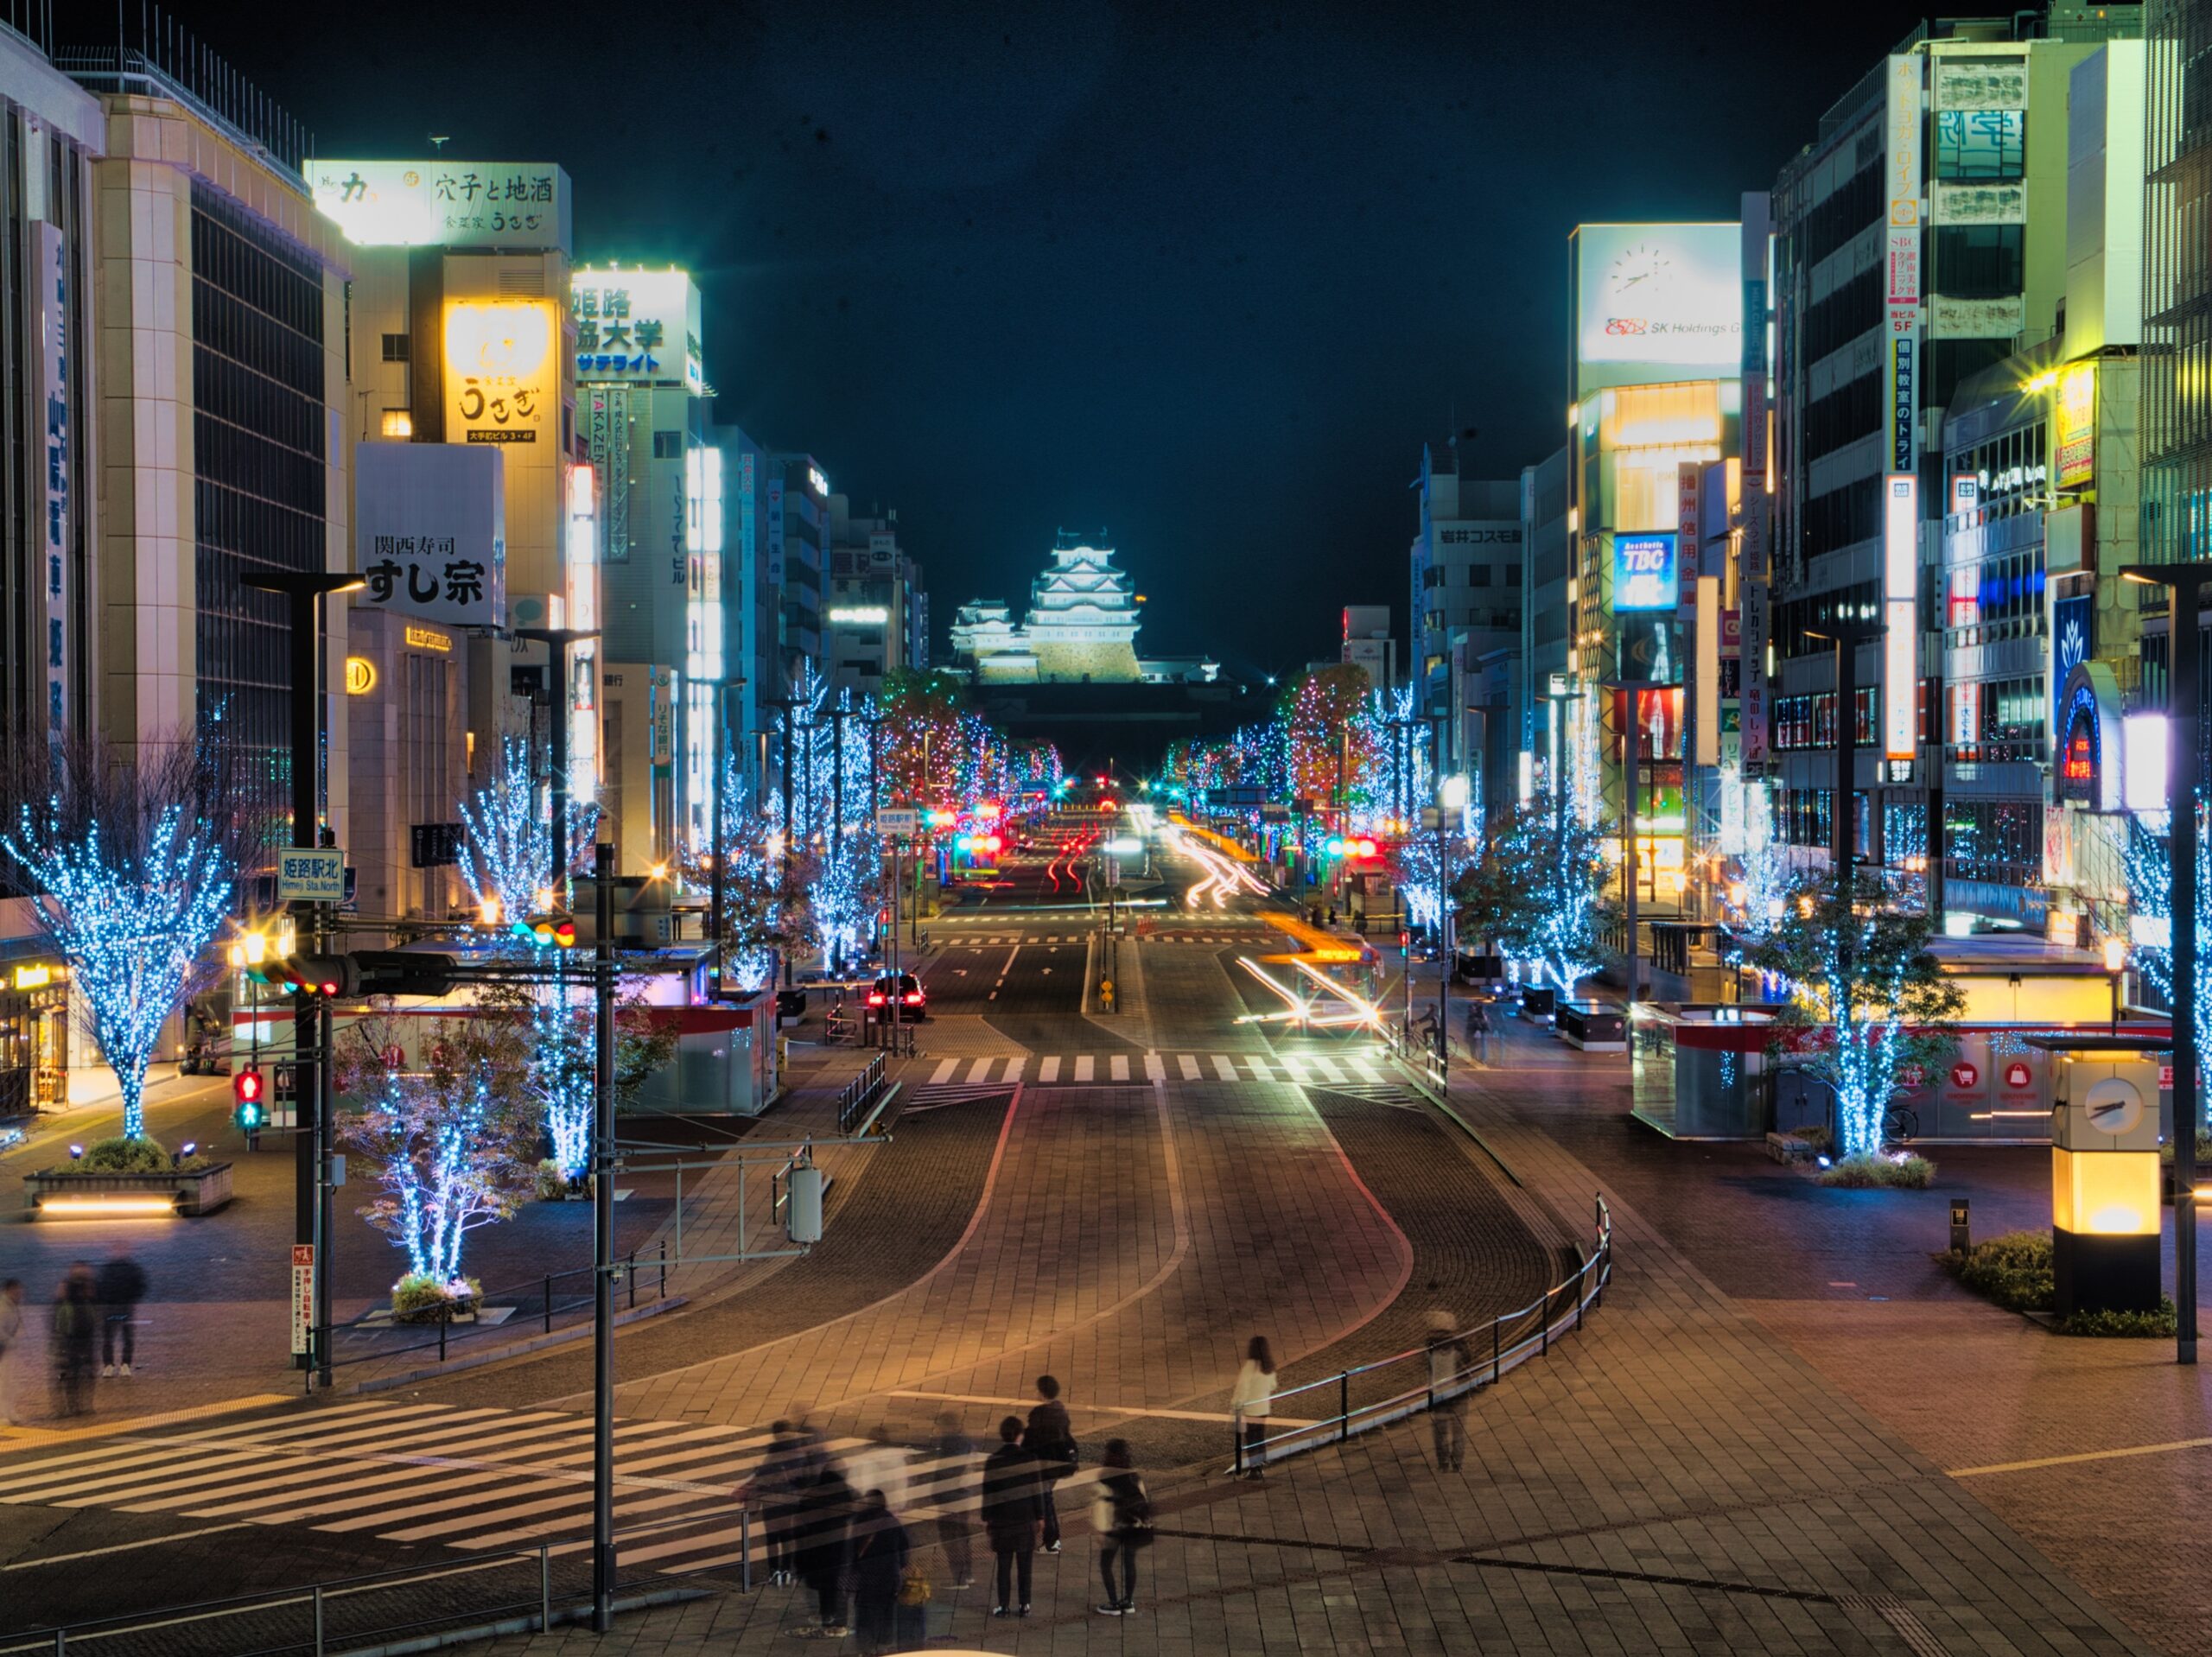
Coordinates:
1655	379
798	500
51	132
877	620
1542	678
1466	568
1919	240
1368	646
752	603
472	518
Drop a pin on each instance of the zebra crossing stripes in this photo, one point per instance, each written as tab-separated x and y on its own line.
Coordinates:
1348	1071
465	1479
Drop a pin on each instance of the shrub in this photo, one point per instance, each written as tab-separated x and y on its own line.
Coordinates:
2013	1270
1814	1134
552	1184
2204	1152
2120	1325
1874	1169
121	1155
418	1298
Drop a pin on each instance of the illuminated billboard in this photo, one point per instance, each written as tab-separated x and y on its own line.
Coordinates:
430	532
1900	624
1645	572
502	380
2075	440
1657	303
444	203
637	327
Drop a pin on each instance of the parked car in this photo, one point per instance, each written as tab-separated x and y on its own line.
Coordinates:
913	999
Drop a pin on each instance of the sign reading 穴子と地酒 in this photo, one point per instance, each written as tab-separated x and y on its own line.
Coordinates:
311	874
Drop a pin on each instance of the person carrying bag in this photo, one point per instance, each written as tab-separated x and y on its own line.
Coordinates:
1121	1517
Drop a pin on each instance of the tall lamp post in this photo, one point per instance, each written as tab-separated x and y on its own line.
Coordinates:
2184	584
1631	753
557	641
304	591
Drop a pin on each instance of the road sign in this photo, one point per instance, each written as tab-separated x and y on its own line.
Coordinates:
303	1295
899	819
315	875
1273	811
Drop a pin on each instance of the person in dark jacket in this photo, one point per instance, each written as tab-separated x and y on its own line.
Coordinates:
121	1285
787	1471
1050	1439
76	1316
952	1471
823	1549
1014	1509
1120	1516
880	1558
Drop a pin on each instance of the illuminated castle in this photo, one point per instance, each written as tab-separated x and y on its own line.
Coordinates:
1082	626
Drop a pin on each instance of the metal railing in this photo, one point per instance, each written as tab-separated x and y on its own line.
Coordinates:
657	1262
1507	1341
860	1093
506	1590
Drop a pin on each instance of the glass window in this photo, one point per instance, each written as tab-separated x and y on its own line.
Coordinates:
1980	143
395	348
1978	261
397	423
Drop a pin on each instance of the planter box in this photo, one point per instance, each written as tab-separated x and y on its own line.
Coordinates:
1787	1148
58	1190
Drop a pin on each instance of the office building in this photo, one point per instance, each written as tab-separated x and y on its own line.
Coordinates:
1367	644
1545	560
878	617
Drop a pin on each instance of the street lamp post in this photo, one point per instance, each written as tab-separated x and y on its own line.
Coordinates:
2184	584
2115	964
1631	753
304	591
557	641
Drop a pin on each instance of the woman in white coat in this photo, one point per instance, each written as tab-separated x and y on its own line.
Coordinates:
13	1358
1253	1400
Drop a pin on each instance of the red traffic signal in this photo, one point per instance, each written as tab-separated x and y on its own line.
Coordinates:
246	1086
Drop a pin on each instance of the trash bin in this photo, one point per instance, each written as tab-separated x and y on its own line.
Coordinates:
803	1204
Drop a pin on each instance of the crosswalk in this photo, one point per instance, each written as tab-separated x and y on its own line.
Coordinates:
971	1077
456	1478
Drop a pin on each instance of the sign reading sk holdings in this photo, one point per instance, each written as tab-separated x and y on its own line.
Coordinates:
314	875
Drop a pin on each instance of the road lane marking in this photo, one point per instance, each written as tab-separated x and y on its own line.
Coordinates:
1083	1067
1260	1070
1118	1067
943	1072
1155	1069
122	1547
2083	1455
980	1071
1224	1066
1049	1068
1013	1068
1189	1067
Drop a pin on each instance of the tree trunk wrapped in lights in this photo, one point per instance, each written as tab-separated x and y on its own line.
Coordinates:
506	853
131	863
2149	863
1868	1007
1535	893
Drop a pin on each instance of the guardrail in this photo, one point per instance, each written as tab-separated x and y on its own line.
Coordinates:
860	1093
1506	1342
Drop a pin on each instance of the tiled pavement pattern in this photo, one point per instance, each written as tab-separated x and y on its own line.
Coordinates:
1129	1240
1675	1479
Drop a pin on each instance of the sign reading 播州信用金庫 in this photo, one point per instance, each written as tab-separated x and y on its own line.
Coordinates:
302	1295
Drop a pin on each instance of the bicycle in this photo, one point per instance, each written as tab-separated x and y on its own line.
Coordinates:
1899	1124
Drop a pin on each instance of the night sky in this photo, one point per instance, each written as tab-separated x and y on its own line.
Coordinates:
1206	278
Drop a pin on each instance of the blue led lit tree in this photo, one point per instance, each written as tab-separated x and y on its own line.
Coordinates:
1535	893
2149	862
129	859
1867	1003
752	928
450	1137
506	853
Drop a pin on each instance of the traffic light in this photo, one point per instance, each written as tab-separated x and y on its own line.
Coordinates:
1333	845
548	931
245	1091
299	975
403	972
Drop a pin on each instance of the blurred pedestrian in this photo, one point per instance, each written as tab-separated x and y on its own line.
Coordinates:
1121	1517
76	1316
952	1454
1051	1439
121	1285
1013	1513
824	1551
779	1489
1252	1402
880	1465
1449	1359
12	1342
880	1554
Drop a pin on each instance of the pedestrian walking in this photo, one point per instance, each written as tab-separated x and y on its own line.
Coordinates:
779	1489
1014	1514
75	1318
1253	1401
1121	1517
880	1554
952	1454
823	1551
1449	1359
121	1285
12	1342
1051	1439
880	1465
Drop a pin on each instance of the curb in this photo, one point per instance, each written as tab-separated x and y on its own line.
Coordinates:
519	1348
526	1624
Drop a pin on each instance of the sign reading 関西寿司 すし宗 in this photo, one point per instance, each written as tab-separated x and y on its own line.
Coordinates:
429	534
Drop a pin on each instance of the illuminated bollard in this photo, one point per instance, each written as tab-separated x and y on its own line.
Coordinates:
2106	1207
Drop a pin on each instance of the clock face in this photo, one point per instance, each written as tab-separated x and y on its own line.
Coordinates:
2113	1107
1639	270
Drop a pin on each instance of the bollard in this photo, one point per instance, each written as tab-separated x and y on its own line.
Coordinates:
549	1303
634	1279
663	1268
745	1549
1961	1231
445	1322
545	1588
1237	1435
1496	1354
317	1620
1343	1404
1544	1324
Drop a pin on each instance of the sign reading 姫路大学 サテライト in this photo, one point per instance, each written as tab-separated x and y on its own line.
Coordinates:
1645	577
641	326
429	532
